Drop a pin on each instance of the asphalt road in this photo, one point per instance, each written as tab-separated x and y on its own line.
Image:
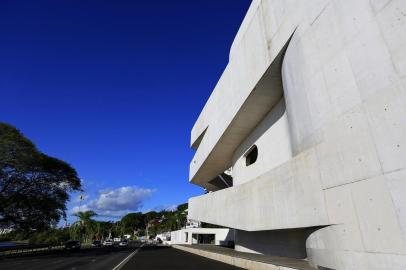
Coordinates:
167	258
147	257
92	258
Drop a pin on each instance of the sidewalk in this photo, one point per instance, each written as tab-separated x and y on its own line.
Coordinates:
245	260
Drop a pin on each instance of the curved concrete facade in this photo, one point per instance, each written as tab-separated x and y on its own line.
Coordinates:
272	139
319	86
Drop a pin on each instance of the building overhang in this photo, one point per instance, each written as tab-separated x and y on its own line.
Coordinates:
215	149
287	197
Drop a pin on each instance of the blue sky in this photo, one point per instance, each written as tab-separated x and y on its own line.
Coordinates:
114	88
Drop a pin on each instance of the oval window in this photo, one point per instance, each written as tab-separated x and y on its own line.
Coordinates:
251	156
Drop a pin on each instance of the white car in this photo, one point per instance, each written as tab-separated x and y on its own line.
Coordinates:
123	243
108	242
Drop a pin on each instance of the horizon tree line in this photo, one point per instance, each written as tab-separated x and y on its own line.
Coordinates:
34	190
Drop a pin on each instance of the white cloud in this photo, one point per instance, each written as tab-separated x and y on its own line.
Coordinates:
159	208
171	207
165	207
82	208
117	202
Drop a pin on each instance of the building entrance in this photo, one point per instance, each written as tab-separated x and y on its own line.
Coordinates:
203	239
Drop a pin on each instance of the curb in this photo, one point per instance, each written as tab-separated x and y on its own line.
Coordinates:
235	261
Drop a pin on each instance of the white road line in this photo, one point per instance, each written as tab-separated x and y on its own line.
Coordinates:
123	262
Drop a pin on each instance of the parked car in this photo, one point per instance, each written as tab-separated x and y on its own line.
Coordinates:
72	245
96	243
123	243
117	240
108	243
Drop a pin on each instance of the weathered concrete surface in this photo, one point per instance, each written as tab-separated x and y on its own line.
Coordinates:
290	243
222	235
245	260
290	196
342	140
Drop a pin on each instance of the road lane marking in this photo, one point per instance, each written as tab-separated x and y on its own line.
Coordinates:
123	262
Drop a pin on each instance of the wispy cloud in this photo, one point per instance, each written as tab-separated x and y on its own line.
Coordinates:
117	202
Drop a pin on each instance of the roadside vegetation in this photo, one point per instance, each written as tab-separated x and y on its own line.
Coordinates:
34	190
86	229
34	187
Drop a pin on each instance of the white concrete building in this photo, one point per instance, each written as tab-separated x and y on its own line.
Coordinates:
203	236
165	237
310	114
192	224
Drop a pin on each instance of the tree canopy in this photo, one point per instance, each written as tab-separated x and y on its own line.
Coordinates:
34	187
133	222
85	217
157	222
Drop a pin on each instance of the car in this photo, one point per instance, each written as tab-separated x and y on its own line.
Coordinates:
108	243
72	245
96	243
117	240
123	243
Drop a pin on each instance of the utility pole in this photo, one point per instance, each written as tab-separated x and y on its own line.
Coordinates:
146	233
81	198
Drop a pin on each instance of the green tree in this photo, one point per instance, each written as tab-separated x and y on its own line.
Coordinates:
181	215
132	222
150	216
86	225
85	217
34	187
182	207
51	236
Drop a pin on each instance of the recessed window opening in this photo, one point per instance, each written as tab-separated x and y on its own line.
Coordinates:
251	156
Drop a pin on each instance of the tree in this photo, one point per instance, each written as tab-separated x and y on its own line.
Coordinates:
181	215
87	226
85	217
150	216
51	236
182	207
132	222
34	187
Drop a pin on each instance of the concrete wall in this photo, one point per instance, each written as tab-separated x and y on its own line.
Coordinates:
272	139
222	236
284	243
289	196
231	114
344	84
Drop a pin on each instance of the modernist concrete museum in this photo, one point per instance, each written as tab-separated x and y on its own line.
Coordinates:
302	144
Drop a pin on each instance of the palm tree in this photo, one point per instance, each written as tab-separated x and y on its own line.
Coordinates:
86	222
85	217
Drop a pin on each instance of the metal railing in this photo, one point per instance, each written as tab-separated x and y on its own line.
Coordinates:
27	250
20	250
